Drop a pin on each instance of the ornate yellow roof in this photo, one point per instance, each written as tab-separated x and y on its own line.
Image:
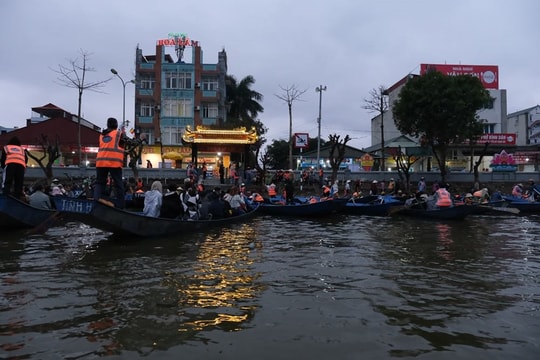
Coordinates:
213	136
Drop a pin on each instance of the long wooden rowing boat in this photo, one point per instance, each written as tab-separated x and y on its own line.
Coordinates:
16	214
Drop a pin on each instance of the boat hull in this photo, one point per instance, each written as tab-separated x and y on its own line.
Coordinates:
16	214
317	209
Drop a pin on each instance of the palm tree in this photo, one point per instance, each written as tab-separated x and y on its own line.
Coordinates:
243	102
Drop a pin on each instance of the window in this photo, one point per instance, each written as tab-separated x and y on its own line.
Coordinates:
172	135
490	104
177	108
489	128
210	110
210	84
148	82
147	109
177	80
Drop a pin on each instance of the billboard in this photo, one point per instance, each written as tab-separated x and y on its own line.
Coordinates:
488	74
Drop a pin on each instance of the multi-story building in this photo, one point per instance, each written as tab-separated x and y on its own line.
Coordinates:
173	95
493	116
526	125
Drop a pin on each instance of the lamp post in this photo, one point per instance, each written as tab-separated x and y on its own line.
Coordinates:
384	92
123	96
319	89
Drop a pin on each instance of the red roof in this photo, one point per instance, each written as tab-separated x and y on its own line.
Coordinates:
67	131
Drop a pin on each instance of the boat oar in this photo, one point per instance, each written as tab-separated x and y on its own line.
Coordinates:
43	226
509	210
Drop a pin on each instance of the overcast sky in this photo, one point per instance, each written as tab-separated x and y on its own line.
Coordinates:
349	46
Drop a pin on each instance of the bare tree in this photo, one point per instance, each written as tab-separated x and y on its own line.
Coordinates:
377	102
404	163
291	93
337	152
74	76
51	152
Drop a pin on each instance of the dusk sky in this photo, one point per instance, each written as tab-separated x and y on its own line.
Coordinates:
351	47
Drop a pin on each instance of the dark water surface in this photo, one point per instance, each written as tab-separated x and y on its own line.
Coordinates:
343	288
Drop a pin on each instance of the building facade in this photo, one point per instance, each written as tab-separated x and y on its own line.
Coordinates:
511	132
174	94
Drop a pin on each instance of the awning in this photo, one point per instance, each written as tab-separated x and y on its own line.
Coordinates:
173	155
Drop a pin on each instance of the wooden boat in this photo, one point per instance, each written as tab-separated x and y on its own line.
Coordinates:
448	213
523	205
304	208
16	214
377	206
123	222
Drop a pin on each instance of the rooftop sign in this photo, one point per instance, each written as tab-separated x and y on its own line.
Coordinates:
488	74
177	39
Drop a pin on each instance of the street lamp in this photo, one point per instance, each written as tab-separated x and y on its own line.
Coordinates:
319	89
123	96
383	108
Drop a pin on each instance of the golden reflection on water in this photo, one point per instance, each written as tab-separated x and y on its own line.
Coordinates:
221	283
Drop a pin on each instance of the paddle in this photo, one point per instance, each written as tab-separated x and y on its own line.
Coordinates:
509	210
43	226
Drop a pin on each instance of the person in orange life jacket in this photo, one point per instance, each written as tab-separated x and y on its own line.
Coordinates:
110	160
13	161
272	192
443	197
325	191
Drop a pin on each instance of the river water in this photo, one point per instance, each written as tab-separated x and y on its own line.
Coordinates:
349	287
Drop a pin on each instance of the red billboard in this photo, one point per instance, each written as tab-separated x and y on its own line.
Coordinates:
488	74
498	139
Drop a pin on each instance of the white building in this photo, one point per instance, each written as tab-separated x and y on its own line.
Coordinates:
526	125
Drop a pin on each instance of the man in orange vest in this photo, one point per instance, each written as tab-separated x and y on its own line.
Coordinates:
13	161
110	160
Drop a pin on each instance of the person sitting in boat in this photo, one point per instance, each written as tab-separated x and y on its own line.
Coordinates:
39	199
481	196
334	189
238	205
190	201
533	191
374	188
271	189
171	207
325	191
517	190
468	199
213	206
443	198
153	199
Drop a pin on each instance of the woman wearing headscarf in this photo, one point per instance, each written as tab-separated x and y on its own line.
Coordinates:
153	199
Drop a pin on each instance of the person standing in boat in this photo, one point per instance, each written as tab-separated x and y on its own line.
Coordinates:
109	161
422	185
13	161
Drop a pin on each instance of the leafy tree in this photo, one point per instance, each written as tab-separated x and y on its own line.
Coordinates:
277	153
243	108
291	94
74	76
337	152
440	110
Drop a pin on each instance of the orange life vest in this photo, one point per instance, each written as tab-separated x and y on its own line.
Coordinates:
15	155
272	191
443	198
110	154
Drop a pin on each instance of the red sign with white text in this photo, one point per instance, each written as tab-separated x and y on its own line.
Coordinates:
498	139
488	74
